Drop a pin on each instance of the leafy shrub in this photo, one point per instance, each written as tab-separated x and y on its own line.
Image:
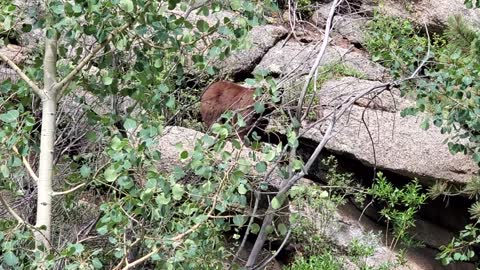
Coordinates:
400	206
326	261
395	43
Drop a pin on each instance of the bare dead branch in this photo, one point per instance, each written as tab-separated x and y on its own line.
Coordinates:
313	70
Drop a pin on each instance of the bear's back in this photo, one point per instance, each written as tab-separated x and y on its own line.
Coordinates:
222	96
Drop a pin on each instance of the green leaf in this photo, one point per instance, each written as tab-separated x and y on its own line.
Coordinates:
297	164
259	107
7	22
10	259
171	102
127	5
130	124
10	116
261	167
476	157
97	264
255	228
456	55
202	26
85	171
4	170
110	174
282	229
184	155
162	199
276	204
242	189
239	220
163	88
117	144
57	8
102	230
121	44
235	4
467	80
107	80
323	194
177	192
270	155
199	219
425	124
78	248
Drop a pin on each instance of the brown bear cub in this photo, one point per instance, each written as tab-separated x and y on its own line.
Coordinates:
223	96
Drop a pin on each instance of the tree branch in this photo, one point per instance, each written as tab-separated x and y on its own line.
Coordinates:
22	75
11	211
27	165
195	7
313	70
68	191
88	57
264	263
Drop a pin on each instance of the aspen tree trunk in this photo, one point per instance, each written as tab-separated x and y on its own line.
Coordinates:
47	144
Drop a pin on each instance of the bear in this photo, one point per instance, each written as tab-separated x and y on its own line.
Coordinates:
222	96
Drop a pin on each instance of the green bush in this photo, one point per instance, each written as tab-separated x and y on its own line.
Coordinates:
395	43
326	261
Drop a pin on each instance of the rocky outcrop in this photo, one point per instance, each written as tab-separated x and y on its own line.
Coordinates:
433	13
298	58
348	26
241	63
378	135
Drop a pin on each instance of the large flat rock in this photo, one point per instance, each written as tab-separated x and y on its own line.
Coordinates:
401	146
294	57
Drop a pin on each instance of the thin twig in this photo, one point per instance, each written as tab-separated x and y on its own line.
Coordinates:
265	262
195	7
68	191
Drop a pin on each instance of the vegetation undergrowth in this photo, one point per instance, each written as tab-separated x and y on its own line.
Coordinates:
447	92
316	220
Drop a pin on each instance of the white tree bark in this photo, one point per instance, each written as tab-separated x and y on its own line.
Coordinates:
47	144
